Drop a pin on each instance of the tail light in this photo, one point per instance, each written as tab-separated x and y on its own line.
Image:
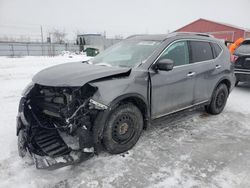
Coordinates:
234	58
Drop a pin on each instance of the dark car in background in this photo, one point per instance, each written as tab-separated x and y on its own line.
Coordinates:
242	62
108	100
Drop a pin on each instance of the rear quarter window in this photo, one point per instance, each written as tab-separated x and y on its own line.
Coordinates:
201	51
217	49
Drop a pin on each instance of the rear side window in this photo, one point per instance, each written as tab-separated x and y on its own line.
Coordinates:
201	51
217	49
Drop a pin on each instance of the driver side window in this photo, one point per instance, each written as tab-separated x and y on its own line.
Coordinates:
178	52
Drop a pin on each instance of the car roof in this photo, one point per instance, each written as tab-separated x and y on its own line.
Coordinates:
162	37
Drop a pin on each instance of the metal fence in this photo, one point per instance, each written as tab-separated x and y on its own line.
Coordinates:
35	49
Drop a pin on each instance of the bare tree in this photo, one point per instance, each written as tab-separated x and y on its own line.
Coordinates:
58	36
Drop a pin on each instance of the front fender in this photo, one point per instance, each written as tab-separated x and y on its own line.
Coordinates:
113	89
111	92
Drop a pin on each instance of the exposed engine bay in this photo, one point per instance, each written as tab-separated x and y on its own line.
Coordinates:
48	113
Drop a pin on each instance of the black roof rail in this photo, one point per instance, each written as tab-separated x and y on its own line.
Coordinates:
195	33
204	34
173	34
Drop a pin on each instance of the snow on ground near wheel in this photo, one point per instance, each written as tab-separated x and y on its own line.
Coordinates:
186	150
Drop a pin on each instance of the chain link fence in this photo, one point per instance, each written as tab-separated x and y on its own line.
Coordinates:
35	49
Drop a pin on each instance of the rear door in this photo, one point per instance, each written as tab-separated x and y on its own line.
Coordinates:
202	59
172	90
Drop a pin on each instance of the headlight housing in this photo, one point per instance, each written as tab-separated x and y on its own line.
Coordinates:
96	105
27	89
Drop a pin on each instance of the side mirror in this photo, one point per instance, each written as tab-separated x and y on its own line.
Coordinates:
164	65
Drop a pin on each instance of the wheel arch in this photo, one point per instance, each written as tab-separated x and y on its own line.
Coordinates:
213	107
225	81
136	99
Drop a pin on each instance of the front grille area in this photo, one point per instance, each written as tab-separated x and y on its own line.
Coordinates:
50	113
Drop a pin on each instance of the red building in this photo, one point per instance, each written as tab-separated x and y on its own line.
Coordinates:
218	30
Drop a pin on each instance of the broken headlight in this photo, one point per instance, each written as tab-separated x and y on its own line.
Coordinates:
28	88
96	105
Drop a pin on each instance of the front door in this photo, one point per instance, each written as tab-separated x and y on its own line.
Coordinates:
172	90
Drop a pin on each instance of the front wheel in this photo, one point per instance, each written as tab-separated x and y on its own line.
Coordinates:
218	101
123	128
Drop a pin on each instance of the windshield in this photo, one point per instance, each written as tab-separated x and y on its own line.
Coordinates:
127	53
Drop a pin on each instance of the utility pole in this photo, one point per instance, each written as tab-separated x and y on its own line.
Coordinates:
41	27
42	38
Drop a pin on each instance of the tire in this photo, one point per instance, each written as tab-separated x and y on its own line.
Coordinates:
21	144
123	128
218	101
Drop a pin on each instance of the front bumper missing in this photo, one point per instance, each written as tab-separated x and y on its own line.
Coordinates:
51	160
46	146
74	157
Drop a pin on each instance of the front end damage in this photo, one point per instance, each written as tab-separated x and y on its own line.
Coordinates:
49	118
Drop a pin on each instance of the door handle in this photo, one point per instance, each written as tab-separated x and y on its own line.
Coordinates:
217	67
190	74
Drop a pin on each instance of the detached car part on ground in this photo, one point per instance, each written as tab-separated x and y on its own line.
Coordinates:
70	110
242	62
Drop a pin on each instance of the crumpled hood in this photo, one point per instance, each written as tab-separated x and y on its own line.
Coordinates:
75	74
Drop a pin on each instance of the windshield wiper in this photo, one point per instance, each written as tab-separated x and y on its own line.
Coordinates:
124	66
86	61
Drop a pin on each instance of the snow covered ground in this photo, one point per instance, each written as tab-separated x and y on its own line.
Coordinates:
192	149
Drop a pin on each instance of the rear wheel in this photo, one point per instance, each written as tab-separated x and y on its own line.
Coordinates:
219	100
123	128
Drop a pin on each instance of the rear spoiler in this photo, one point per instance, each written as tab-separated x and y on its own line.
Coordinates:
228	43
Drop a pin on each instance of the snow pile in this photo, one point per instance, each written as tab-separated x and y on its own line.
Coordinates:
71	54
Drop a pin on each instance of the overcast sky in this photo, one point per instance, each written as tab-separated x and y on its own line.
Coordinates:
116	17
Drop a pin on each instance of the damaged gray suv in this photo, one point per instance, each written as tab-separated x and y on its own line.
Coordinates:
70	110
